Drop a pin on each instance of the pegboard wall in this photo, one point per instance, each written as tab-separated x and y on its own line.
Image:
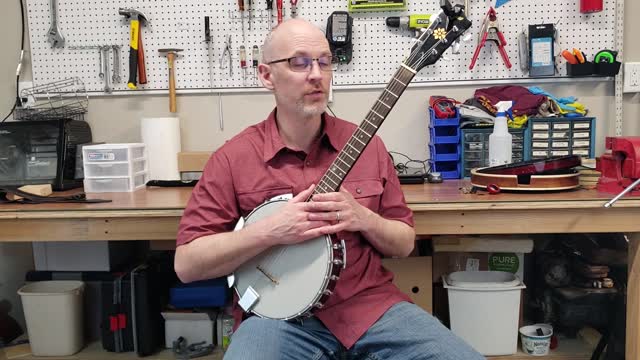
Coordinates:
377	49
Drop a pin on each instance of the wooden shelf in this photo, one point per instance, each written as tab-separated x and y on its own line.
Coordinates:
568	349
94	351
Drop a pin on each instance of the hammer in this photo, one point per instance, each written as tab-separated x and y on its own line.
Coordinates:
135	18
171	55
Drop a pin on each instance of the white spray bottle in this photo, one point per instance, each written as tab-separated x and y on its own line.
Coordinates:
500	141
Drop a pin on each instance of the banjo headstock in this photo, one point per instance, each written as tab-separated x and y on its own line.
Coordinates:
446	27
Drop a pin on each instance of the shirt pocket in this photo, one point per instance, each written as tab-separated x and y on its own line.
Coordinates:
366	192
249	200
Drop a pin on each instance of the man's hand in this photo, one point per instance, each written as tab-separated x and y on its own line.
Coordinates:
291	223
341	210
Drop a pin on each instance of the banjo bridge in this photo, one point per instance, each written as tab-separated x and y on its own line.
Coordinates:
268	276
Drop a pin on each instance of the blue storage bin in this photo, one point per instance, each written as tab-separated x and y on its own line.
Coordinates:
205	293
448	169
444	134
435	121
444	152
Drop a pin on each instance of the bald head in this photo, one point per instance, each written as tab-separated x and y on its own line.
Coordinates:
282	38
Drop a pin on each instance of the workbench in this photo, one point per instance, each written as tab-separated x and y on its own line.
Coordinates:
154	213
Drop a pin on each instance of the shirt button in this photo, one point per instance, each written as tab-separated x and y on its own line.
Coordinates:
359	191
308	163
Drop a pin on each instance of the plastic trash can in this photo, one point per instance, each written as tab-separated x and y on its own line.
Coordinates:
484	308
53	313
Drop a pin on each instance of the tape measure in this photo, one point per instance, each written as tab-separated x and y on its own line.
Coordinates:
606	56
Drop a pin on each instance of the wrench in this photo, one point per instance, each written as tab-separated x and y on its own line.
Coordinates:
105	55
101	74
54	36
116	64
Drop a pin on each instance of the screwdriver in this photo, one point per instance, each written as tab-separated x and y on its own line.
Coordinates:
294	8
255	56
243	62
241	8
270	10
249	10
279	6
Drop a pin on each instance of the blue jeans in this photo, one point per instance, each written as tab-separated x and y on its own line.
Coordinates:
405	331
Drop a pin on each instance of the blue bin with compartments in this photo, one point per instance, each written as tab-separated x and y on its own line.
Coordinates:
444	145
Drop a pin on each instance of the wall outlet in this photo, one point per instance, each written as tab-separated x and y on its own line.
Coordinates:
26	101
631	77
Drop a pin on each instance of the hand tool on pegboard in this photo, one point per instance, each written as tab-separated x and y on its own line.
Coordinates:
279	10
54	35
270	11
171	57
241	10
142	69
490	31
207	39
136	20
294	8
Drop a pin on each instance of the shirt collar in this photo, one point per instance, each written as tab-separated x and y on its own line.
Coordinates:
273	142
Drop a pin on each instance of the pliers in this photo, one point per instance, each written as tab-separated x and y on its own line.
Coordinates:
490	31
225	53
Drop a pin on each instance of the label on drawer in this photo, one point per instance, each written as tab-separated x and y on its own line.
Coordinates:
539	153
581	143
540	126
559	134
581	152
560	152
581	125
560	144
562	126
540	135
580	135
538	144
101	156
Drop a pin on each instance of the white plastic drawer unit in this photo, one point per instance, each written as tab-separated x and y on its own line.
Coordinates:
113	152
115	184
112	168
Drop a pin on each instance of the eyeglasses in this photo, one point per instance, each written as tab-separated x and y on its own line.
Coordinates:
304	63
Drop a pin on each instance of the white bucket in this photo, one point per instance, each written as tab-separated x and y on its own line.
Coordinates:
534	344
484	308
53	313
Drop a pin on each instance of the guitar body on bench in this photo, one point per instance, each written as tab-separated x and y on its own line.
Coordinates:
289	281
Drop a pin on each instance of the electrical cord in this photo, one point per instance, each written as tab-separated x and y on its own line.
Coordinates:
331	111
402	168
18	70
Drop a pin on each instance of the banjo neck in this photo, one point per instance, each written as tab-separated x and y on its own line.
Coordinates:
339	169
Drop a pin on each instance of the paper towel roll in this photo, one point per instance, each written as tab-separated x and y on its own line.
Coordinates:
162	139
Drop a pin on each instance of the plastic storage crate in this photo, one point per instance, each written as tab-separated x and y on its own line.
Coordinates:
475	147
560	137
444	145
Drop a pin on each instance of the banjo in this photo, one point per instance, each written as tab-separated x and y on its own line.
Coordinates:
289	281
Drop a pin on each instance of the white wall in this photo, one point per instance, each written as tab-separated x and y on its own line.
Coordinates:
116	119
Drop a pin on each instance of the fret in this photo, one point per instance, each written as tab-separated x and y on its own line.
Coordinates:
337	171
348	165
351	157
380	116
370	123
408	68
382	102
330	179
354	148
369	135
358	140
403	84
390	92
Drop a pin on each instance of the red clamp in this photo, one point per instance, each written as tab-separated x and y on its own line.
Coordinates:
490	31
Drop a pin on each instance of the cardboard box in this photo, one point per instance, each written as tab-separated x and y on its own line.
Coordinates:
194	327
192	161
413	277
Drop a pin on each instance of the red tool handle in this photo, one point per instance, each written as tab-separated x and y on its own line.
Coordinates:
505	57
279	6
241	5
475	54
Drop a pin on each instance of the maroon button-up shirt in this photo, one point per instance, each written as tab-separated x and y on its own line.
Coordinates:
255	166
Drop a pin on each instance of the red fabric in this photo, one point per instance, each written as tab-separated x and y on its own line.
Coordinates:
524	102
255	165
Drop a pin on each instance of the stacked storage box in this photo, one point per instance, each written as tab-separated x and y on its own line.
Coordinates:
114	167
561	137
475	147
444	145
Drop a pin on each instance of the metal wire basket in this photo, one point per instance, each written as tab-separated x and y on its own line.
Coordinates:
63	99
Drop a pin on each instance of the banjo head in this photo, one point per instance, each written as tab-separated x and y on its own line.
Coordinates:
289	279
